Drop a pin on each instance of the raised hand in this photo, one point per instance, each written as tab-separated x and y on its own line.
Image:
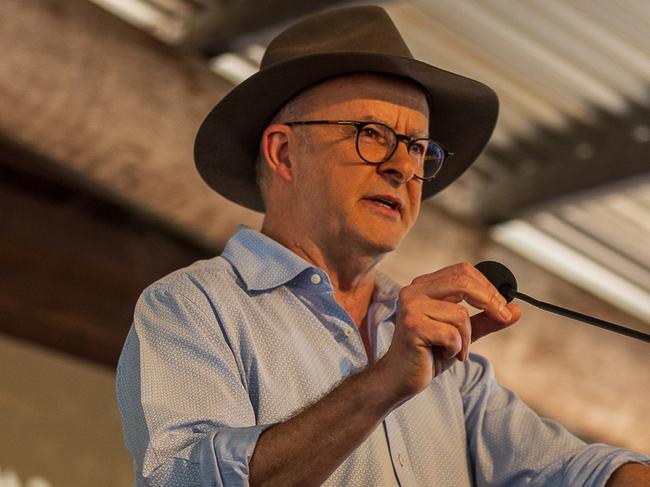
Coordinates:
434	328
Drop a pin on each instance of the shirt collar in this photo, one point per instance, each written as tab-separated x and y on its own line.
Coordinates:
386	290
261	262
385	296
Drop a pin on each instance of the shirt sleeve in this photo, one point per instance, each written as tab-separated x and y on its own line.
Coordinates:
186	413
509	444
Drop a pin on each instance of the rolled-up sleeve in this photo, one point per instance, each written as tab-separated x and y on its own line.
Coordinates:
186	413
511	445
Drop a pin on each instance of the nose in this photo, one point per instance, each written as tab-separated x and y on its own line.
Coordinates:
400	167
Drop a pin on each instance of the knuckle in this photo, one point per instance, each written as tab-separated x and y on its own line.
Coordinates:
405	293
451	336
462	314
408	303
461	320
412	327
463	281
408	320
458	343
463	273
493	299
496	296
453	341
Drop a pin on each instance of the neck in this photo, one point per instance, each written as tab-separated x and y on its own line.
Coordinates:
351	272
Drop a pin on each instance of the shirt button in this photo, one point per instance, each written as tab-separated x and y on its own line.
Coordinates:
401	459
315	279
348	331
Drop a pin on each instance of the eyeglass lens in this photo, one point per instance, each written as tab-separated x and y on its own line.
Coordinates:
376	143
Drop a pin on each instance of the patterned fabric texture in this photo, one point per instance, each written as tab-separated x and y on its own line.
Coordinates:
225	348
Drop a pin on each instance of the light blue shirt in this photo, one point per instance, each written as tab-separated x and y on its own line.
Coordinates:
225	348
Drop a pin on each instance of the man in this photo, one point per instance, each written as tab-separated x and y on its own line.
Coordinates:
289	359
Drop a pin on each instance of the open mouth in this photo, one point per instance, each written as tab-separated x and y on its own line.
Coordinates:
386	202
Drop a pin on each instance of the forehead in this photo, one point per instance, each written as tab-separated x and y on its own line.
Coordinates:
361	91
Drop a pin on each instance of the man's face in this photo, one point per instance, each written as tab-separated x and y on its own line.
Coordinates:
335	192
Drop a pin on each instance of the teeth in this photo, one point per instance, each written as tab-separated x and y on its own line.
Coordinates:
386	204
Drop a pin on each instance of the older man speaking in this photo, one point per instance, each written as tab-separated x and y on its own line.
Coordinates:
290	360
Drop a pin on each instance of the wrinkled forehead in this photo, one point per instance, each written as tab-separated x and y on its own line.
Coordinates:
348	88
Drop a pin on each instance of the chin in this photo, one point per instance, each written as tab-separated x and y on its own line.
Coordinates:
378	245
376	237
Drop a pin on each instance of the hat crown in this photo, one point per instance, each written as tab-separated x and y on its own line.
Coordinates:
365	29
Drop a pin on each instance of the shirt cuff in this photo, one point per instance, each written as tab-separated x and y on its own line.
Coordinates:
593	465
226	453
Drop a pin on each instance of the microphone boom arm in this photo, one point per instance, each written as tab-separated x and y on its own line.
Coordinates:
508	291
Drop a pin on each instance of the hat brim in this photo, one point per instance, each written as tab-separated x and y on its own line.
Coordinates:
463	116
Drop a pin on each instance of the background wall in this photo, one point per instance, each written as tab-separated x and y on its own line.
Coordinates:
58	420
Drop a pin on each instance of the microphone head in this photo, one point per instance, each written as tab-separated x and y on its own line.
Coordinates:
500	277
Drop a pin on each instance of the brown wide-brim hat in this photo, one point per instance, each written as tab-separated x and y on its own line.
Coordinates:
463	112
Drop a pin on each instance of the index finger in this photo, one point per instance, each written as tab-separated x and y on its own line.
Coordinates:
470	284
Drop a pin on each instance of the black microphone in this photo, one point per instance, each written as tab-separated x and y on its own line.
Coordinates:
505	282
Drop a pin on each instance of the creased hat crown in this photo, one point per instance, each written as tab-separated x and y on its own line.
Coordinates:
338	31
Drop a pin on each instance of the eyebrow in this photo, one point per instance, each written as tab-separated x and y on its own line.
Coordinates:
416	135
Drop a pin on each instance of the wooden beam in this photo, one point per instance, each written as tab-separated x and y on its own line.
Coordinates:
95	94
73	260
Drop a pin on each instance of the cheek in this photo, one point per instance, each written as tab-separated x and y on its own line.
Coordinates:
338	185
415	197
331	181
321	194
416	205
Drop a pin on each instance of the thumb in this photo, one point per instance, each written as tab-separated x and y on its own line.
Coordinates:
483	325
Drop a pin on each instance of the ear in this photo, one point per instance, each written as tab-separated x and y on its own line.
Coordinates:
276	149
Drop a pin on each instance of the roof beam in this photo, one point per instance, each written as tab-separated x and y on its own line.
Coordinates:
74	260
98	96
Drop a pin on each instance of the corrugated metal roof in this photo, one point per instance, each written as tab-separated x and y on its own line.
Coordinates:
553	63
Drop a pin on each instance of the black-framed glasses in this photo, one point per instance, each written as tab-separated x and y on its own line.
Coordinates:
376	142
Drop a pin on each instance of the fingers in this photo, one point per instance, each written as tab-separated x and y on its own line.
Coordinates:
439	323
440	363
464	281
483	324
433	328
458	317
454	298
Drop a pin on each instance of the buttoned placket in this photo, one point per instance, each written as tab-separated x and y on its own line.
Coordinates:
382	312
344	329
349	336
397	450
